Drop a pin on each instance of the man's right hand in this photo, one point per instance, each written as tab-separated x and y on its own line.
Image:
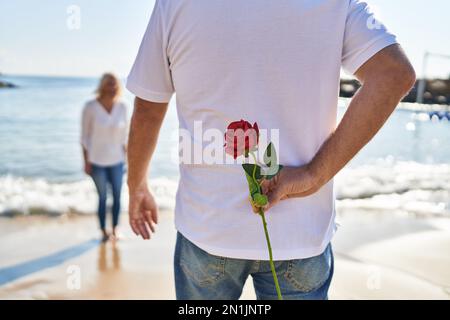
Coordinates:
144	129
143	212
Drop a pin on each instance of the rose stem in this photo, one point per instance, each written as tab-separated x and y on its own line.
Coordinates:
261	213
272	266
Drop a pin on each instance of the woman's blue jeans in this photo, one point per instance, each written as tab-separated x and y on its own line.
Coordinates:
102	176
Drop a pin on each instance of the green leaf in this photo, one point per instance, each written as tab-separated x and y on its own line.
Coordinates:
249	167
253	188
270	155
271	161
274	173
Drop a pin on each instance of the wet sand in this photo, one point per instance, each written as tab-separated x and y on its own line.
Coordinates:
378	256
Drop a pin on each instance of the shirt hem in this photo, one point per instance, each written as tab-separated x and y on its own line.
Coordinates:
375	47
278	255
147	94
106	163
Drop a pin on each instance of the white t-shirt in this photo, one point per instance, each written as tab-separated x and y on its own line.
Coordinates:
104	134
274	62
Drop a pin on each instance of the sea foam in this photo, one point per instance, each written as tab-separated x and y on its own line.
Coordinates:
20	195
381	185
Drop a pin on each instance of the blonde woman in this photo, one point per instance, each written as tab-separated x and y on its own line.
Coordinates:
103	138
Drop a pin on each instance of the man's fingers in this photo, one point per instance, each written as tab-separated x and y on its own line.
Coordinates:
142	227
274	197
155	214
148	217
254	207
302	194
151	207
151	225
132	222
149	221
143	230
265	186
134	226
269	185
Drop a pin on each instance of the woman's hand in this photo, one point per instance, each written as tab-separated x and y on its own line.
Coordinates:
88	168
290	182
143	212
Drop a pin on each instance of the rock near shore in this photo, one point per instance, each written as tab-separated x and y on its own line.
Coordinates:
4	84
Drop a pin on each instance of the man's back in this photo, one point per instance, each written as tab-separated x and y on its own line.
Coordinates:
273	62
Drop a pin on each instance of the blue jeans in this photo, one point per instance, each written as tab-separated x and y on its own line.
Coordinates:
103	176
202	276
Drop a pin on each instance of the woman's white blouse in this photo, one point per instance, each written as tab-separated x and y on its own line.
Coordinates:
103	134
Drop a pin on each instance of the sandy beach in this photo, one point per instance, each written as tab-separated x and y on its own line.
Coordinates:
392	199
353	96
377	256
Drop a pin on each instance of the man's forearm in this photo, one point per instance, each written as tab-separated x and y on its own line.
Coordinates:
383	87
144	130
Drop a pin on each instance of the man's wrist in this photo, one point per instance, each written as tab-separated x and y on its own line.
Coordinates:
318	172
137	188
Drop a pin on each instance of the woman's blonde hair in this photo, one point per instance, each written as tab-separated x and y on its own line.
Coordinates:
101	86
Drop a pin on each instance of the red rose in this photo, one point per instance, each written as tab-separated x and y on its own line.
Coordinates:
240	138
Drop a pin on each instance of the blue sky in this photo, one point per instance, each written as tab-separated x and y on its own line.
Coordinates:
35	39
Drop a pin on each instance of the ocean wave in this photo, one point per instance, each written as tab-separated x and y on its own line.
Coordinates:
384	184
389	185
29	196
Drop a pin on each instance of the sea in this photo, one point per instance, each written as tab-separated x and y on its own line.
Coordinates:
405	168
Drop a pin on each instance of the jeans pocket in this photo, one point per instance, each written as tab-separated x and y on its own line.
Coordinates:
203	268
306	275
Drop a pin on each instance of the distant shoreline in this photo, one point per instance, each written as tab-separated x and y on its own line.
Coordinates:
437	91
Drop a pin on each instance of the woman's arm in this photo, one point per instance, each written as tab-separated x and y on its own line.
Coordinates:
87	164
126	132
86	125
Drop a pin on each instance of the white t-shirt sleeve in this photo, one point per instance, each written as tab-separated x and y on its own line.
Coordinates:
364	36
86	126
150	77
